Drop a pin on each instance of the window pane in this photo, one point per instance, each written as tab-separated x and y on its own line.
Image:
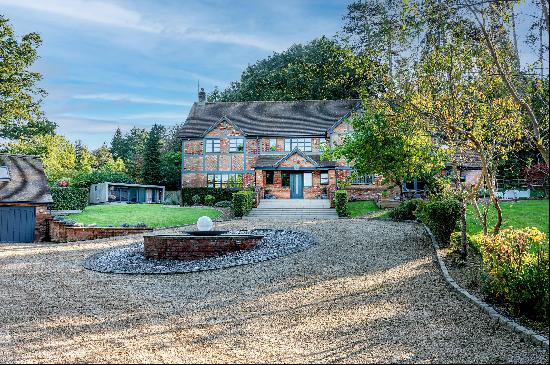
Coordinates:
269	177
236	145
210	179
324	178
285	179
308	179
273	144
288	144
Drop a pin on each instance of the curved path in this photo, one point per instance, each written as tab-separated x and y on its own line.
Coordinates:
367	292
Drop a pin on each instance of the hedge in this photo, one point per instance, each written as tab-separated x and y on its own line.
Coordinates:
242	203
69	198
341	203
85	179
218	194
441	216
407	210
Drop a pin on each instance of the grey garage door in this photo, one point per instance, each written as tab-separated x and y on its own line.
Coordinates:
17	224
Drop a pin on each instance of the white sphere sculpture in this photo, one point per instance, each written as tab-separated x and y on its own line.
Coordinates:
204	223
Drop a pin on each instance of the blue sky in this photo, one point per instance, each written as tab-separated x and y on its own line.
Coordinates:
125	63
120	63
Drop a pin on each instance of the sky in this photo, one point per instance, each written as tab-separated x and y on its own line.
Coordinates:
109	64
125	63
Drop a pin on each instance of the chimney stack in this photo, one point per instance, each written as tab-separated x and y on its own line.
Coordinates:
202	96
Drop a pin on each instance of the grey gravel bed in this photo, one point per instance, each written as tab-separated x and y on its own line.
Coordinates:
130	259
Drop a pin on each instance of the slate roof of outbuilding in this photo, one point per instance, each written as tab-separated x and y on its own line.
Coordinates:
27	182
269	118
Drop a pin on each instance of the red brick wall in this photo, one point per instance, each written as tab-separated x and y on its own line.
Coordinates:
166	247
59	232
41	228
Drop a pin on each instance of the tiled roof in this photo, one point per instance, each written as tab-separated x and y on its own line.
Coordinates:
272	160
27	182
269	118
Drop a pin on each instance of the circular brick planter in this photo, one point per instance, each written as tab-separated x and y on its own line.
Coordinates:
131	259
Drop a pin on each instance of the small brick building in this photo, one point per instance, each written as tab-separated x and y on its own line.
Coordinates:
24	199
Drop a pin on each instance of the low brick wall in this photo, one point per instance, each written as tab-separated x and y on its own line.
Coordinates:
184	247
59	232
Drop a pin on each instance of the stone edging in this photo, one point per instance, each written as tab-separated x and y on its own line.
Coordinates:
524	332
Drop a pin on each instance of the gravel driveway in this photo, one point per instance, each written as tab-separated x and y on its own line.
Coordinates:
367	292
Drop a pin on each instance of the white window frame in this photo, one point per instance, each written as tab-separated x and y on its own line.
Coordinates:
324	178
234	144
308	182
212	145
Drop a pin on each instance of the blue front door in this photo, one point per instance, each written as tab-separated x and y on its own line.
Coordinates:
296	186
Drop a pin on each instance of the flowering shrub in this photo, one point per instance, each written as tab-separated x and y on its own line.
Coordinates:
516	261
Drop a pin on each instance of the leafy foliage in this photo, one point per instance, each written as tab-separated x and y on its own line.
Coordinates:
69	198
223	204
341	203
407	210
196	199
219	194
517	263
319	70
151	169
242	202
209	200
441	217
20	98
85	179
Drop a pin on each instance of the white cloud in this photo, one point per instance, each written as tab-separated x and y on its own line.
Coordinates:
115	15
130	99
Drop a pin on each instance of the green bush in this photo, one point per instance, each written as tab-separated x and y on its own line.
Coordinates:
440	216
223	204
85	179
516	261
407	210
341	203
242	203
196	199
219	194
209	200
473	241
69	198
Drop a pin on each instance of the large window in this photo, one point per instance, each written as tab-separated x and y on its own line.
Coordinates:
212	145
308	179
363	179
303	144
324	178
236	145
285	179
224	180
269	177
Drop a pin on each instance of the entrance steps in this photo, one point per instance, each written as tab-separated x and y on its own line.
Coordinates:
293	209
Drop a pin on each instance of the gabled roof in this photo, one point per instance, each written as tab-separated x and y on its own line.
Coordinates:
27	181
296	150
270	161
269	118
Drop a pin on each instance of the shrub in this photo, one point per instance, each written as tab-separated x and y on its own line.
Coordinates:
69	198
85	179
196	199
218	193
209	200
341	203
242	203
440	216
473	241
516	261
406	210
223	204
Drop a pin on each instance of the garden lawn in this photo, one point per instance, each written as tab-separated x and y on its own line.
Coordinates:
360	208
153	215
518	214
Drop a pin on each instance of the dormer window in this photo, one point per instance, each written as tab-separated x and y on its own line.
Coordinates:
236	145
4	173
212	145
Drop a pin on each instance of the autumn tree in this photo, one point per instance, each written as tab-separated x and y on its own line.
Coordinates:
20	97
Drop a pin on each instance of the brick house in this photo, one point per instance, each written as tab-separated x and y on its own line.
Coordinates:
24	199
274	146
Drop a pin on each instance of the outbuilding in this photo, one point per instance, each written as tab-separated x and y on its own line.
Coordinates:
109	192
24	199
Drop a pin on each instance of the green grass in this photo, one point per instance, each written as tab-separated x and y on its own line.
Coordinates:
360	208
154	215
519	214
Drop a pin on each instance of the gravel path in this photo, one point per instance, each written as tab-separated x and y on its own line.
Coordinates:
368	291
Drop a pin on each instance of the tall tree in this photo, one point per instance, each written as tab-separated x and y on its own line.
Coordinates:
135	142
322	69
151	171
119	147
84	158
20	97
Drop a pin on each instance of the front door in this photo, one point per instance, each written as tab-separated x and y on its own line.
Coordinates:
296	186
